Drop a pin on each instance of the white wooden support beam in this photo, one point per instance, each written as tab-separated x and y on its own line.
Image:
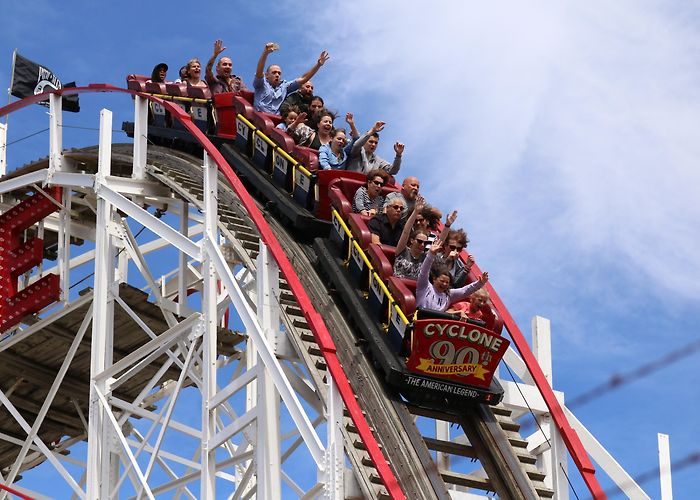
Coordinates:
442	432
3	149
56	135
64	235
335	463
102	326
665	467
553	459
238	298
209	352
268	440
140	138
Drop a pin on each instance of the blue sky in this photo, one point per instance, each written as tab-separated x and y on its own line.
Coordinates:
564	132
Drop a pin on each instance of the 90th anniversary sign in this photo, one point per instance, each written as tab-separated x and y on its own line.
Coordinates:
457	351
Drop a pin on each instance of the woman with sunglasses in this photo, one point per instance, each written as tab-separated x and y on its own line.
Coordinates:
456	241
411	248
433	286
368	199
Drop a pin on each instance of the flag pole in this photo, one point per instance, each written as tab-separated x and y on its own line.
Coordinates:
12	82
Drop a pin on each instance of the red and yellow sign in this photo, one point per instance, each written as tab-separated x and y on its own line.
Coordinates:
457	351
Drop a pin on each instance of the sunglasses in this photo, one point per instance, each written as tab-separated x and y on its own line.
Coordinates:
420	219
455	247
422	241
397	207
377	183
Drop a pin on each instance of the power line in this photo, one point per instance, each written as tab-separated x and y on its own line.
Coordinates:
616	379
689	460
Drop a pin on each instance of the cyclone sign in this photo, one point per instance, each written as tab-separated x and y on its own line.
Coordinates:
457	351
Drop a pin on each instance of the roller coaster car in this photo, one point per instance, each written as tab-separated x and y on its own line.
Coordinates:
430	359
433	361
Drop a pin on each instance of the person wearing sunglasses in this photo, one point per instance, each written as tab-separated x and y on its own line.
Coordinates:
455	242
386	228
408	194
411	248
368	199
433	286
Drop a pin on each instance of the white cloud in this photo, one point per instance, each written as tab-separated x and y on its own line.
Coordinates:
575	122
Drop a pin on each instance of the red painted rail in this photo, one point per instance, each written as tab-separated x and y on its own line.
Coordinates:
316	324
15	492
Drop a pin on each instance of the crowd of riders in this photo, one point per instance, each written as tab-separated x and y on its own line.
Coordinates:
403	219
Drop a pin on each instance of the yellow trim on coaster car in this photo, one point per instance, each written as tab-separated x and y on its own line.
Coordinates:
167	97
346	230
362	254
303	170
402	316
267	139
374	276
286	155
245	120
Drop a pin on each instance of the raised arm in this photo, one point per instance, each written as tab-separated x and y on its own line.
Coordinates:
260	69
457	294
396	166
218	49
309	74
376	128
401	245
424	274
450	220
350	119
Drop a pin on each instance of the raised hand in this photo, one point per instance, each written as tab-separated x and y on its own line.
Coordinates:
218	47
271	47
350	118
483	279
323	58
420	203
398	148
301	118
451	218
436	246
470	262
378	126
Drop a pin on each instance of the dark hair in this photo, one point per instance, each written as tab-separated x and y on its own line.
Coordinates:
155	77
317	98
439	269
326	112
432	215
459	235
336	131
184	73
288	108
375	135
377	172
416	232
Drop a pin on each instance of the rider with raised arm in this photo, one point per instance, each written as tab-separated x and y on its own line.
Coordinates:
224	80
270	89
437	295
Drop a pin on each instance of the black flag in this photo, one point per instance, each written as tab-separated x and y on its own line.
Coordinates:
30	78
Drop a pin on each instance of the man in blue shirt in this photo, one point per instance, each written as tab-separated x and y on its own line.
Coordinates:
270	89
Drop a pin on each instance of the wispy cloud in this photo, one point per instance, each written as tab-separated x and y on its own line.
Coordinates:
572	126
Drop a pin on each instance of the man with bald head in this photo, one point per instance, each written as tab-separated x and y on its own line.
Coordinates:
408	193
270	89
224	80
301	98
